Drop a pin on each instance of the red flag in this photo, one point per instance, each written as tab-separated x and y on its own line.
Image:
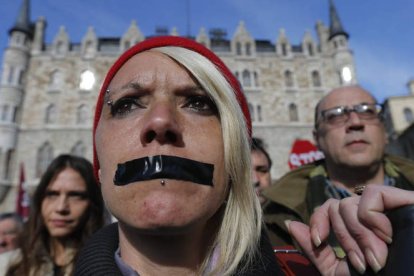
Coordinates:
23	200
303	152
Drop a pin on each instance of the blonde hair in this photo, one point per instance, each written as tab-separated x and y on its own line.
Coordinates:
238	235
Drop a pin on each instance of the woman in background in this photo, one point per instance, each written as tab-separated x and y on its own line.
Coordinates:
67	207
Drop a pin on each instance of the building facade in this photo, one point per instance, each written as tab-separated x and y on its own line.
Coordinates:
48	90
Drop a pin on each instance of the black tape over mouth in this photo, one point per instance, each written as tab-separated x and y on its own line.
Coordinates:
164	167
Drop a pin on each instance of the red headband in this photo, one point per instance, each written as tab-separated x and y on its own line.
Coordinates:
163	41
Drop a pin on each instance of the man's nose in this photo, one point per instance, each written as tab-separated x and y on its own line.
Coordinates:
354	122
161	125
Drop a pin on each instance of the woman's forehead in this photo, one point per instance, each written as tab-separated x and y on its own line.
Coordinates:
148	68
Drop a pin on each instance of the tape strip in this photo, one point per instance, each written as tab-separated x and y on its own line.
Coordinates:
165	167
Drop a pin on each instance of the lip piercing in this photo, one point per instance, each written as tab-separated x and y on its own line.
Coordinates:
163	182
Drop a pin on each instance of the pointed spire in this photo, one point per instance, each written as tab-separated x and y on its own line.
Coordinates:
336	27
23	23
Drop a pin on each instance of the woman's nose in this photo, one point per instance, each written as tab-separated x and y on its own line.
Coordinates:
161	124
62	204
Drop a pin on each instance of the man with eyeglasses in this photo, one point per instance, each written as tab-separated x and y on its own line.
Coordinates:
349	130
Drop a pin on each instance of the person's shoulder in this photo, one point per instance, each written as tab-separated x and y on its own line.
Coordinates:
404	165
290	190
9	258
97	256
293	180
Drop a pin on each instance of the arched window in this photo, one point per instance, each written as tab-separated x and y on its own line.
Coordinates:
89	49
44	157
248	49
50	114
87	80
246	78
4	112
310	49
259	113
288	78
7	164
78	149
293	113
237	75
82	115
238	48
408	115
55	79
10	75
60	48
256	79
284	49
316	79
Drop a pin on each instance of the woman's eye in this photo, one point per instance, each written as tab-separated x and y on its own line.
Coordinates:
124	106
201	104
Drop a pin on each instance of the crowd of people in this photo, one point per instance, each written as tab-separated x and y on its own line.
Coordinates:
190	188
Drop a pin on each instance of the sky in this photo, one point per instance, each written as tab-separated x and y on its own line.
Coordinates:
381	31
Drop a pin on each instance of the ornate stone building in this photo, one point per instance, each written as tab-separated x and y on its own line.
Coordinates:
399	122
48	90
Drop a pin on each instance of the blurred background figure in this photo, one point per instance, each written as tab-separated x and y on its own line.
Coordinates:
67	207
261	165
11	225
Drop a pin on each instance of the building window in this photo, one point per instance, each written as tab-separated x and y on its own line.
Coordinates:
248	49
310	49
4	112
82	115
44	157
14	119
87	80
55	79
259	113
288	78
21	76
50	114
10	75
238	48
284	49
60	48
316	79
246	78
408	115
79	149
7	164
256	79
293	113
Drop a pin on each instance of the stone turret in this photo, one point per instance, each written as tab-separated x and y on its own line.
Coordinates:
342	55
15	63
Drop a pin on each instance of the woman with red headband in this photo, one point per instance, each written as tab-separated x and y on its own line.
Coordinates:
171	145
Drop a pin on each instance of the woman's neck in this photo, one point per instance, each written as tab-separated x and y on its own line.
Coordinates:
173	254
59	252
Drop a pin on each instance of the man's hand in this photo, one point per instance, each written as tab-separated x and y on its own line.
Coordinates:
360	225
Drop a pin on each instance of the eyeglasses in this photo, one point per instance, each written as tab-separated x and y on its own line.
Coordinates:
340	114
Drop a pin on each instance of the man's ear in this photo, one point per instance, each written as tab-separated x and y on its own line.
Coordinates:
99	175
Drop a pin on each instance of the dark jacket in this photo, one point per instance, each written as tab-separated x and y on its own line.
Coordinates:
299	192
97	256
